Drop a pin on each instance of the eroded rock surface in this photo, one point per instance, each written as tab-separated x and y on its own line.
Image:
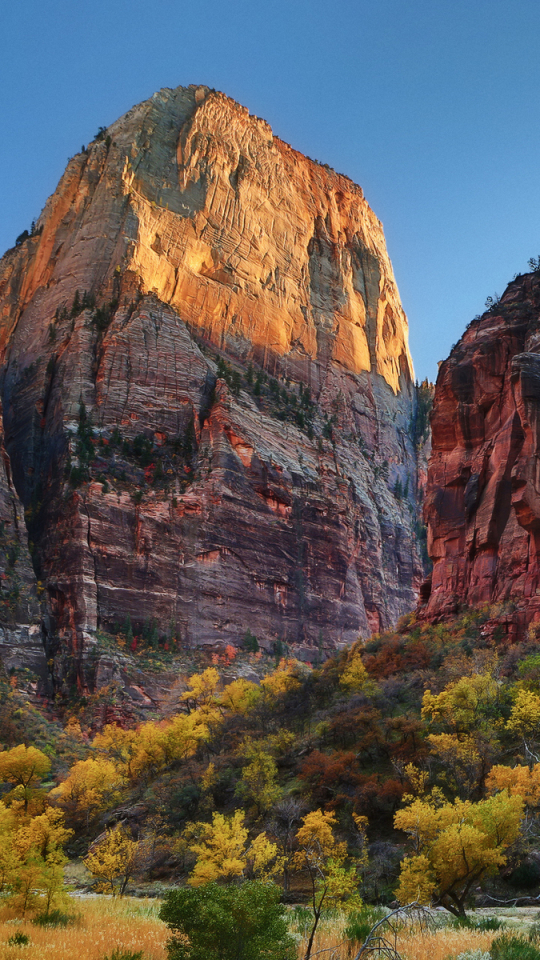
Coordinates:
483	492
207	389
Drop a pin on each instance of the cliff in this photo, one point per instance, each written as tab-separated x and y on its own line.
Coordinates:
207	389
483	490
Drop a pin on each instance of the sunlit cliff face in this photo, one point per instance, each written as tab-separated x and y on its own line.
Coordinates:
200	234
258	245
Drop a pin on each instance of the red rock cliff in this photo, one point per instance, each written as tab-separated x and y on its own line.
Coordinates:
483	491
207	388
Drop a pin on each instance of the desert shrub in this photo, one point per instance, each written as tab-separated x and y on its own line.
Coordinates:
511	947
19	940
244	922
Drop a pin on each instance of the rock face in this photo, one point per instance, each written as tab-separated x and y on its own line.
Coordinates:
23	635
483	491
207	389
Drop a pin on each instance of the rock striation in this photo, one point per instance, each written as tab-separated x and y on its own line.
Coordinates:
483	491
208	395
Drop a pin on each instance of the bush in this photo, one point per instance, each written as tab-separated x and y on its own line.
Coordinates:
54	918
509	947
490	923
19	940
244	922
361	923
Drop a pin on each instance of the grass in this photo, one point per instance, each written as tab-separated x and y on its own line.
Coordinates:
102	925
441	944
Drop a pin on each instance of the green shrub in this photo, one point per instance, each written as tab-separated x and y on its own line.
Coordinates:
244	922
54	918
361	922
490	923
19	940
510	947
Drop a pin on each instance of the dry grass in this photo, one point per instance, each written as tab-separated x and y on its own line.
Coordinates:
103	924
439	945
443	943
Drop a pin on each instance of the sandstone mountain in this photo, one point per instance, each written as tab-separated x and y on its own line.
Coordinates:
208	401
483	491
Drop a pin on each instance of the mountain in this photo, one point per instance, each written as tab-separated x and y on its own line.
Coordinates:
208	398
483	489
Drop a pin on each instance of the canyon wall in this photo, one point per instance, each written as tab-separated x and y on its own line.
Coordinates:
483	490
207	392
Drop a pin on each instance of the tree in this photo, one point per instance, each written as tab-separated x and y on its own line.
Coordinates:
286	818
24	767
244	922
323	857
202	689
224	853
464	704
454	846
112	860
32	858
91	787
355	676
525	721
259	779
239	696
459	756
519	781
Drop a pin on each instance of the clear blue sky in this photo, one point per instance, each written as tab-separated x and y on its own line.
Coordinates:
431	105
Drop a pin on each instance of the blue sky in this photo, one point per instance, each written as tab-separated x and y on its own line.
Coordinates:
433	107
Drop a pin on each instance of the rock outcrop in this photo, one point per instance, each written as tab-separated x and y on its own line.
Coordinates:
483	491
24	635
207	389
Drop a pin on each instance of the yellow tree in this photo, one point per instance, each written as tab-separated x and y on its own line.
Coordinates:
112	860
9	858
202	688
519	781
525	721
463	766
91	786
224	852
355	677
37	861
464	719
142	753
282	680
258	781
24	767
323	858
454	846
239	696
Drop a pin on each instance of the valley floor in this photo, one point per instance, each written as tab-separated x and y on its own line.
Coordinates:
131	924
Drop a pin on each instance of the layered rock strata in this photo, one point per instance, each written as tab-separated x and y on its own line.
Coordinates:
208	397
483	491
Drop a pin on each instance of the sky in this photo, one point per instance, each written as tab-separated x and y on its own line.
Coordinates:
432	107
